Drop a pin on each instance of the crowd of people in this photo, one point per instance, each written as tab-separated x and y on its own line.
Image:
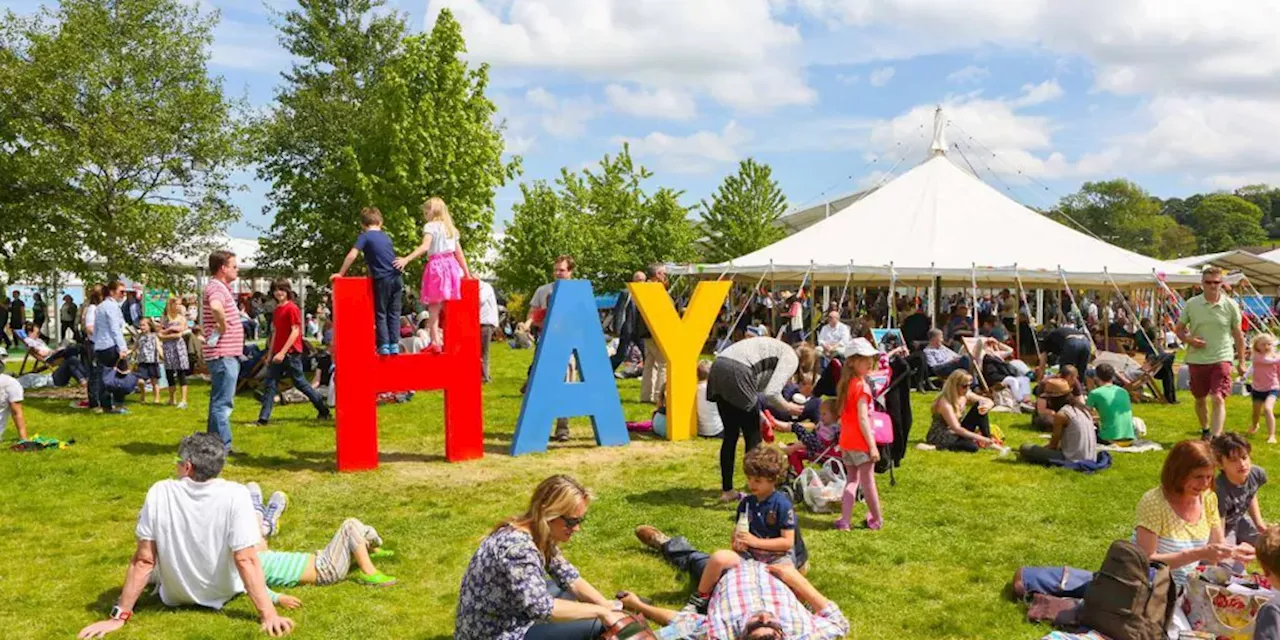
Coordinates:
840	389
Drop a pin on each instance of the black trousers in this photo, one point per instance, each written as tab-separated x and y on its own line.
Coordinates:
624	346
1076	353
1168	381
976	422
102	361
736	421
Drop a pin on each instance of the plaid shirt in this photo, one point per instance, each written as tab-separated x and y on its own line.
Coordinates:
750	589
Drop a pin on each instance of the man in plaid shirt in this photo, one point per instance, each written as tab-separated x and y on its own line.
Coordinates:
752	602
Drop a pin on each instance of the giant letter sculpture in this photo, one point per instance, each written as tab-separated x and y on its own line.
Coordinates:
362	374
572	326
680	340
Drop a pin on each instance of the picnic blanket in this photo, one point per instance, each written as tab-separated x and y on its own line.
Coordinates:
1137	446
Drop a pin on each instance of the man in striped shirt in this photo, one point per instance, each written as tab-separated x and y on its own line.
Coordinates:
223	342
753	601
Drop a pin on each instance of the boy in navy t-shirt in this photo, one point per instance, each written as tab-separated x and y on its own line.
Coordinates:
388	285
770	524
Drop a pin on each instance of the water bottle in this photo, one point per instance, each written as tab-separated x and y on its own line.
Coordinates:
744	523
684	628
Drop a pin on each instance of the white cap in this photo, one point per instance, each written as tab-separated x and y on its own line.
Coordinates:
860	347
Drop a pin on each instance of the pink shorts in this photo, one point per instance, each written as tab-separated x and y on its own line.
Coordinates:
442	279
1210	379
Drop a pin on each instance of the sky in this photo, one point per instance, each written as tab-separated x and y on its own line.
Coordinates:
1180	96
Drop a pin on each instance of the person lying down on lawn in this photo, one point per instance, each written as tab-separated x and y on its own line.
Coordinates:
354	541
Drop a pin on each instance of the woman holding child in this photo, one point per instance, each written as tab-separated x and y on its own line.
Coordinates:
506	593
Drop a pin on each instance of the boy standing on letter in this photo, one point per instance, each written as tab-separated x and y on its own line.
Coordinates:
388	286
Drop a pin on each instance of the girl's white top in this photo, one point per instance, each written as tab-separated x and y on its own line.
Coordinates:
440	241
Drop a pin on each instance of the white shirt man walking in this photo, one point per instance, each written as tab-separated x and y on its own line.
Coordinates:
1210	326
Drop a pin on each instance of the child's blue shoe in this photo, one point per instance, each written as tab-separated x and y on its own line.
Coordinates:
395	349
384	350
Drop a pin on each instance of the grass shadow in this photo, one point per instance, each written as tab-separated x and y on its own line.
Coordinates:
690	496
148	449
319	461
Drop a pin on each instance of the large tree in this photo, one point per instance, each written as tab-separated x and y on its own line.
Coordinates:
119	143
1121	213
604	218
1223	221
743	214
369	117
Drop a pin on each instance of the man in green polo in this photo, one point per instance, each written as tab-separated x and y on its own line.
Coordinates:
1210	326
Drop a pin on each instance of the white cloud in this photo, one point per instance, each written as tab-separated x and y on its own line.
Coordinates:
561	117
880	77
847	80
1137	46
657	103
1033	94
749	61
971	74
699	152
247	47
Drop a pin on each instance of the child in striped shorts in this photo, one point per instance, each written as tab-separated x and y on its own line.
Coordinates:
354	541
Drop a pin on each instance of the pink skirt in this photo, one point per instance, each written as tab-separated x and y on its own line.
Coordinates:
442	279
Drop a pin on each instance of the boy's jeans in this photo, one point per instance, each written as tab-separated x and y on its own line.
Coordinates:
224	372
388	298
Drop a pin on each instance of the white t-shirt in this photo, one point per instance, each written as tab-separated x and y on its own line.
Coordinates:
488	305
10	391
441	242
197	526
90	315
709	423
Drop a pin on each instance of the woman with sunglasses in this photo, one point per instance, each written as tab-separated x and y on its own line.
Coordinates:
518	586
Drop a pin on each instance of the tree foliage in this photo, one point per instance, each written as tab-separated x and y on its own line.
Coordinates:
1123	214
604	218
743	214
1222	221
118	143
369	117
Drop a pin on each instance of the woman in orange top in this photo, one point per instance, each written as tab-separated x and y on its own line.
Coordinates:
857	444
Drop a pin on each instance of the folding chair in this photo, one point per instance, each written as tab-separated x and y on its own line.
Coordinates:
1140	376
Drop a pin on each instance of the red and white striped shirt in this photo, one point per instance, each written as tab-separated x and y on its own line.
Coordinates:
231	344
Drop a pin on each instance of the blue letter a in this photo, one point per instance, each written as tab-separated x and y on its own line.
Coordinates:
572	328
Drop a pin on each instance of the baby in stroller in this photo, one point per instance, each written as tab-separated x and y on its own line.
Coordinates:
816	443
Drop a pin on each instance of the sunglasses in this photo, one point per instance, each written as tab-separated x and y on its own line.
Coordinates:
1212	282
570	522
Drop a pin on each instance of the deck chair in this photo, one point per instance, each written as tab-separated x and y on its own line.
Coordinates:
1140	375
976	349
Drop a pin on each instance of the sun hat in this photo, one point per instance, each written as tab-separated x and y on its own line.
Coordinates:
861	347
1055	388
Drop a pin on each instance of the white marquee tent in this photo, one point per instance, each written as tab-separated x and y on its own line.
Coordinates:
939	221
1261	270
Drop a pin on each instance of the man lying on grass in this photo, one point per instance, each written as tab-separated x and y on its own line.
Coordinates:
752	601
200	533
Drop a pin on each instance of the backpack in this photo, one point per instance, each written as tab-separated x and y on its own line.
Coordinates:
1130	597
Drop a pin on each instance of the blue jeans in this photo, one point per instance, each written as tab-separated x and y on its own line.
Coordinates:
388	297
588	629
291	367
224	372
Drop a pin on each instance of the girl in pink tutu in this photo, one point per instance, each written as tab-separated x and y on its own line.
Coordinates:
446	266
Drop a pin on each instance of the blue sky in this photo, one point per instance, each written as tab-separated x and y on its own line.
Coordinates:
1179	96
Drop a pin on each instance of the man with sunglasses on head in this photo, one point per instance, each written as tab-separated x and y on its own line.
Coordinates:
1210	327
753	601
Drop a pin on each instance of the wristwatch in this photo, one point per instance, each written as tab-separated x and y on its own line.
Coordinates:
120	614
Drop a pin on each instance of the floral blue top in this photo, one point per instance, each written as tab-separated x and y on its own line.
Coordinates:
504	591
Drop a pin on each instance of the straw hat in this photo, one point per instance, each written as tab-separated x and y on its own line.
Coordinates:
1055	388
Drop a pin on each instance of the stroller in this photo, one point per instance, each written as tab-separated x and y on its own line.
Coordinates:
828	468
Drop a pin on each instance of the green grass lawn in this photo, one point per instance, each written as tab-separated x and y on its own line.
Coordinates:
956	525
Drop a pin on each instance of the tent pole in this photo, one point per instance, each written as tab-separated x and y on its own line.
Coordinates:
773	308
893	294
935	307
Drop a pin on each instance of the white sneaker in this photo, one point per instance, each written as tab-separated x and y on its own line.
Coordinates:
275	507
182	405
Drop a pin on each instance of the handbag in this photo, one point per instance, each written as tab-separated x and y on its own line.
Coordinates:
881	427
119	379
632	627
1224	606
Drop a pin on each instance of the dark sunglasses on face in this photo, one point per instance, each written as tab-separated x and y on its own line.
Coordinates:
1212	282
570	522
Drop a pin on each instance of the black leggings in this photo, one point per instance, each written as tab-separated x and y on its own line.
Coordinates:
180	376
973	421
736	420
